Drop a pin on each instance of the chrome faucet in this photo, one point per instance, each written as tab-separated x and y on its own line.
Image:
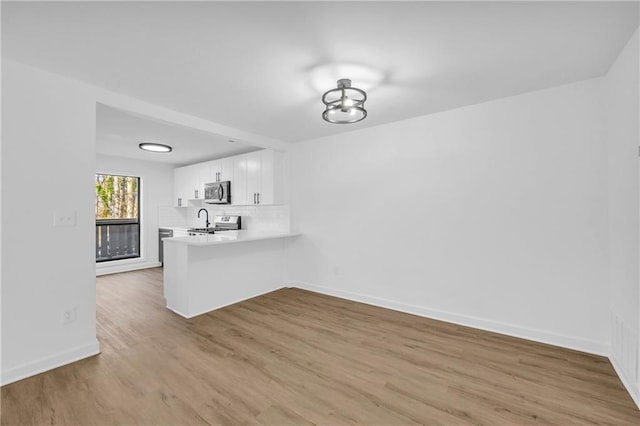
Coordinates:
207	216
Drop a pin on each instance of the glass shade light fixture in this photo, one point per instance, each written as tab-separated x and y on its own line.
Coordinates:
345	104
154	147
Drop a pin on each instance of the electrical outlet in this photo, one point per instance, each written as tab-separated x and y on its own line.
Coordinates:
64	218
68	315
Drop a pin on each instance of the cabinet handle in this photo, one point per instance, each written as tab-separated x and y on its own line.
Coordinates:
179	202
258	198
254	198
196	193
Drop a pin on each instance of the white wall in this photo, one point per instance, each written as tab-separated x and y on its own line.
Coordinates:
492	215
48	164
156	191
622	89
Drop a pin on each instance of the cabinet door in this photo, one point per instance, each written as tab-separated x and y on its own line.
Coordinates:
214	168
239	181
253	177
196	173
181	186
266	177
225	168
221	169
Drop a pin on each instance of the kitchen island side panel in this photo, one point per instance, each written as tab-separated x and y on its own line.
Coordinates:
176	274
215	276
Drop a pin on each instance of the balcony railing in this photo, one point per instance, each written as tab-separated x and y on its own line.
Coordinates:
117	239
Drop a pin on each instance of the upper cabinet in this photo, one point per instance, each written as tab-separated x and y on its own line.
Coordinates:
239	181
188	183
271	171
256	178
180	187
221	170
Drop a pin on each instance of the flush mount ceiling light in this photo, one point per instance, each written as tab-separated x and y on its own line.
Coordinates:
345	104
154	147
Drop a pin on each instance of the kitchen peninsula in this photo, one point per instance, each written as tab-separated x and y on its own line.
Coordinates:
207	272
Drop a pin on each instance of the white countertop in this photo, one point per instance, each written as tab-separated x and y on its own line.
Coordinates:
228	237
176	228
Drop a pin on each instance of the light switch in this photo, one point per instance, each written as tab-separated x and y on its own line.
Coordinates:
64	218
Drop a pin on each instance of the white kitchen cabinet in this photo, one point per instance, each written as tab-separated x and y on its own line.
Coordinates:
222	169
271	173
181	187
189	183
200	176
239	181
253	177
209	174
258	178
197	176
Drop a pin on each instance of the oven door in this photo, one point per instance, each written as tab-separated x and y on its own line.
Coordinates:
217	193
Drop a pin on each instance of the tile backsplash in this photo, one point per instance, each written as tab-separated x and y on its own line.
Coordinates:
256	218
172	216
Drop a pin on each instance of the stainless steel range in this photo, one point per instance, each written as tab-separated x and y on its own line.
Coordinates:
227	223
220	223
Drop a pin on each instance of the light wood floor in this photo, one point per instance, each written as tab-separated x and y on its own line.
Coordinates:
295	357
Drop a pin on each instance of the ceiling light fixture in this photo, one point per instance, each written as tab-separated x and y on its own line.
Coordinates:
345	104
154	147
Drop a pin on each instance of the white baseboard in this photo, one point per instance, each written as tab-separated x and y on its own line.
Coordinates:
116	268
631	387
176	311
570	342
206	311
48	363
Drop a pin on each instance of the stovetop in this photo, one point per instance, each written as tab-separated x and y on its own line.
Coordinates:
202	230
209	230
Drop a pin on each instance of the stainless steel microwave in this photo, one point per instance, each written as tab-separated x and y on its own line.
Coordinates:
217	192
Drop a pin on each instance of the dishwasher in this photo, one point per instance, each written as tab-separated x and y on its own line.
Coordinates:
162	234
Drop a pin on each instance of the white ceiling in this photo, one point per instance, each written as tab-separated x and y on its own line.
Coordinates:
119	133
262	67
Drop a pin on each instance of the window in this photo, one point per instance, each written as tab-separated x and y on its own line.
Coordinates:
117	217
